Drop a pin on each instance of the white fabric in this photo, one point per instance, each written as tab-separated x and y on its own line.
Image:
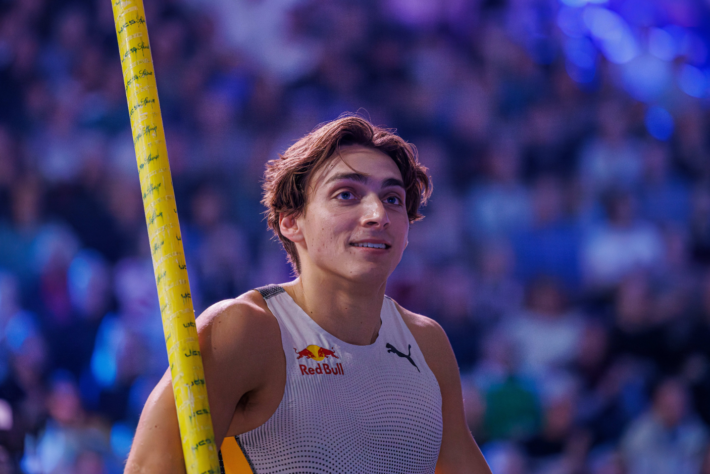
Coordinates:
375	412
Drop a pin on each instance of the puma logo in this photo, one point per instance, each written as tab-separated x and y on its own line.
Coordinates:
392	349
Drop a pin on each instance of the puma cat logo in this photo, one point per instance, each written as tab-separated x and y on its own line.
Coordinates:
393	350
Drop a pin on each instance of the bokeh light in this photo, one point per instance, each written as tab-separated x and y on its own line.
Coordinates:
659	123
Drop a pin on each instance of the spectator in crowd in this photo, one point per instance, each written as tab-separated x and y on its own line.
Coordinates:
664	197
546	333
636	332
221	248
496	291
605	383
551	244
622	243
559	447
612	159
454	311
499	205
668	437
512	408
70	435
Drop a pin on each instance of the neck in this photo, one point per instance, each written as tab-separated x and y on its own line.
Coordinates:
347	310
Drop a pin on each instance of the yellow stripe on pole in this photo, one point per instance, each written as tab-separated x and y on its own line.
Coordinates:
169	265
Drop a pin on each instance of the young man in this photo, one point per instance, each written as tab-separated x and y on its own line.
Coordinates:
325	373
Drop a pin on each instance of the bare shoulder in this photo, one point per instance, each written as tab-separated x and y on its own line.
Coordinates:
432	341
243	324
247	308
241	349
425	330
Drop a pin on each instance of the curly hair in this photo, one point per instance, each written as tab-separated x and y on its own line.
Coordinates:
286	178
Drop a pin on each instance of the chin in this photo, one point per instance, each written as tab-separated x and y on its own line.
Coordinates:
368	274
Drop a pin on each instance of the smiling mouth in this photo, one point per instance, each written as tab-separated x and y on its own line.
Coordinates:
371	246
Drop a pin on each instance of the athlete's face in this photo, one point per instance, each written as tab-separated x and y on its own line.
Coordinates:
355	224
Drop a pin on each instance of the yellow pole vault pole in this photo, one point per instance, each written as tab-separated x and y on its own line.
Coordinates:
169	265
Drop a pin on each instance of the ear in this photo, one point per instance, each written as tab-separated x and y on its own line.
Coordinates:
289	225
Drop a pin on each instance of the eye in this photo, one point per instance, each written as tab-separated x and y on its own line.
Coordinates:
395	200
345	195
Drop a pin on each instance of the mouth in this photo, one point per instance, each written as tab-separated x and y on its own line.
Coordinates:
371	245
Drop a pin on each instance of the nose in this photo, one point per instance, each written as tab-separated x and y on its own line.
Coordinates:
375	214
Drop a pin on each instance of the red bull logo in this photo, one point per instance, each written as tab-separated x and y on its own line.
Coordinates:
318	354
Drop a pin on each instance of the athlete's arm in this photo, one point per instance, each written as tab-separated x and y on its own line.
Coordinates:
235	338
459	452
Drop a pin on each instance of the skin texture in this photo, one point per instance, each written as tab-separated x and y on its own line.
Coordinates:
342	288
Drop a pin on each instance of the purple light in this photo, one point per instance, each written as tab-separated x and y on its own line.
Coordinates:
581	3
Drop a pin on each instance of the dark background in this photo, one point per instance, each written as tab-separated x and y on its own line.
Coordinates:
566	249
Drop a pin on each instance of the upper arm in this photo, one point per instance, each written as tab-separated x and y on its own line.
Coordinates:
459	452
229	331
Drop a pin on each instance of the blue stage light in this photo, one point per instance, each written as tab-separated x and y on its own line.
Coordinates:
661	44
692	81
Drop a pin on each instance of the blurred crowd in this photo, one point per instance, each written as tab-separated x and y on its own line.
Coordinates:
566	249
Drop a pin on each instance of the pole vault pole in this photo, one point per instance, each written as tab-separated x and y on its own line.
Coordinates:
176	308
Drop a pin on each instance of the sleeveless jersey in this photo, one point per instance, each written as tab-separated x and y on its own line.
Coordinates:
345	408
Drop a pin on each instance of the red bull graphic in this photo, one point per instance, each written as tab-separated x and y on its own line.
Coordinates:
318	354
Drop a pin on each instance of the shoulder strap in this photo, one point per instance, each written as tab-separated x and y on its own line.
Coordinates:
270	290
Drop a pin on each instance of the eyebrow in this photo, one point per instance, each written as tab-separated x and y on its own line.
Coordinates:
361	178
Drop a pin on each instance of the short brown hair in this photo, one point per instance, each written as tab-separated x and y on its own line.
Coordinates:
286	178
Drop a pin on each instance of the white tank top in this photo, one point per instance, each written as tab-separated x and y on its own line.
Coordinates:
347	408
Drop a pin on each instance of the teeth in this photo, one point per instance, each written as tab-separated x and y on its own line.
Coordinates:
372	246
